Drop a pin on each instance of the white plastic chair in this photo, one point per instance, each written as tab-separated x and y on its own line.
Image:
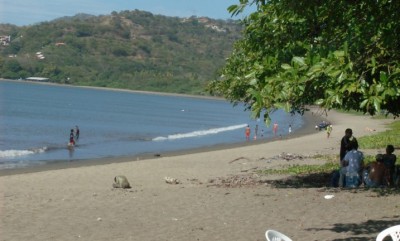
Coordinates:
273	235
393	231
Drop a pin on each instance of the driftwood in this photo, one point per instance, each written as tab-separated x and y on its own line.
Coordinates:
239	158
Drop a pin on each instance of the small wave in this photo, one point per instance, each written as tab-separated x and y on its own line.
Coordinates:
199	133
17	153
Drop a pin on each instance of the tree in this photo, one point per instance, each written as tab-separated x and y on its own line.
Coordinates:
334	54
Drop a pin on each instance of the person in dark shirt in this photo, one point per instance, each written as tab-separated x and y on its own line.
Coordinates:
76	132
345	143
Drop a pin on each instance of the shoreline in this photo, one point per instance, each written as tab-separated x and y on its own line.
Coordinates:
221	195
115	89
308	128
310	119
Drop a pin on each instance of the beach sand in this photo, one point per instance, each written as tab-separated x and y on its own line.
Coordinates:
220	196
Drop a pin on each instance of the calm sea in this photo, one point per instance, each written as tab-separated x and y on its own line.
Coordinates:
36	119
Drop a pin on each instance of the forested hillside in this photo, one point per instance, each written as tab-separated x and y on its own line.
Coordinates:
130	49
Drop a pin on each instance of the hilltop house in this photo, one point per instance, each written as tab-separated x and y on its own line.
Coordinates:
5	40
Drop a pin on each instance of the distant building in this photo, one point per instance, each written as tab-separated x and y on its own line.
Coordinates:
203	20
38	79
39	55
5	40
216	28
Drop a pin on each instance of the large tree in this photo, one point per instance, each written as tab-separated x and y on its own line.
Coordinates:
334	54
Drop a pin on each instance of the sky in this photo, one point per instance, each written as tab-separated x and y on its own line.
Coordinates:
28	12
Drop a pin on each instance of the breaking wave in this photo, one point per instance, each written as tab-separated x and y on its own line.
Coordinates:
199	133
18	153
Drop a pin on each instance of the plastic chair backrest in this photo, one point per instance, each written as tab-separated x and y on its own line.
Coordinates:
393	231
273	235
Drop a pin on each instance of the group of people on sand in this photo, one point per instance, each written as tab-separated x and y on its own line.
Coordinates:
353	173
73	136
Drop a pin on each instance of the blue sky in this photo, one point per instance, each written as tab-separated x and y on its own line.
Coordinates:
27	12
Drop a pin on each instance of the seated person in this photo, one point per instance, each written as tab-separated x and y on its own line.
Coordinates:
389	159
376	174
396	177
352	166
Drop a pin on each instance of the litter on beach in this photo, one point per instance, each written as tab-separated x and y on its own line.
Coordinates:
329	196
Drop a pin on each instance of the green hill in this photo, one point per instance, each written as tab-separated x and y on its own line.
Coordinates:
130	49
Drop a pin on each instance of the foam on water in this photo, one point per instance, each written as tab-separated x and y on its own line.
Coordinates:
36	120
199	133
18	153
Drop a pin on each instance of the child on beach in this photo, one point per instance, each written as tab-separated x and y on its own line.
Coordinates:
328	130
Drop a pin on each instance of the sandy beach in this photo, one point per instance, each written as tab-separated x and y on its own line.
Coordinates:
220	196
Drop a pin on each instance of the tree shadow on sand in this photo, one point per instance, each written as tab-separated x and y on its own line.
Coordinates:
323	180
361	231
313	180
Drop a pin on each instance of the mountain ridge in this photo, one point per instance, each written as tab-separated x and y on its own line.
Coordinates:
130	50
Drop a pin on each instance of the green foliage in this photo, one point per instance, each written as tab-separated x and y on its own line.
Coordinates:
304	169
130	49
335	54
331	163
381	140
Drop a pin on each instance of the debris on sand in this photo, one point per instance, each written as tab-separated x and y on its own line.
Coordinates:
233	181
171	180
288	156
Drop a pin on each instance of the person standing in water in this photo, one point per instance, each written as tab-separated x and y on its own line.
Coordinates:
275	128
71	138
76	132
247	132
256	132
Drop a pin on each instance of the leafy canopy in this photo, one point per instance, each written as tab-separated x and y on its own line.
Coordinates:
334	54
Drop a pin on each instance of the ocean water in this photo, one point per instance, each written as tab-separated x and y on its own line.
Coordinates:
36	119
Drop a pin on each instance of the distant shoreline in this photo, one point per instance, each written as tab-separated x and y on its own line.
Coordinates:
116	89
